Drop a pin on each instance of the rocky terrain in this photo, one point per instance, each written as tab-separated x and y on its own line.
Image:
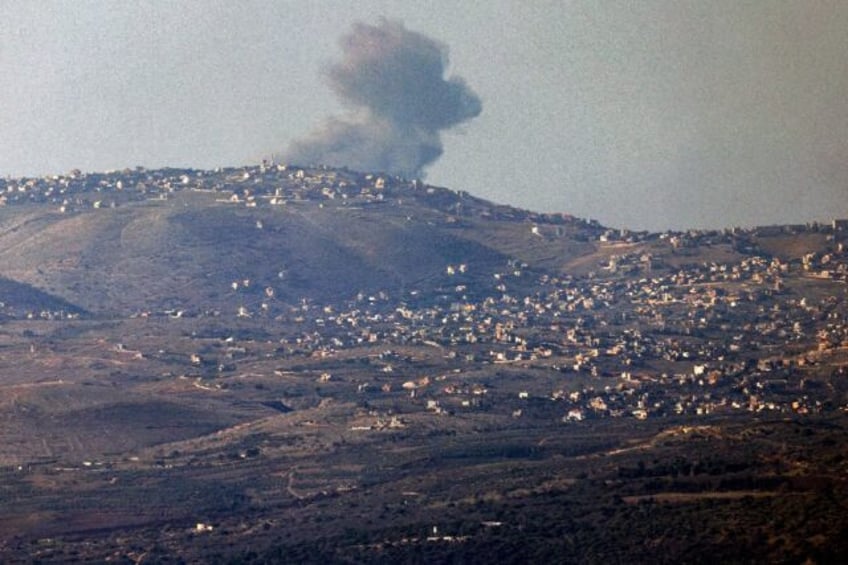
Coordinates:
284	364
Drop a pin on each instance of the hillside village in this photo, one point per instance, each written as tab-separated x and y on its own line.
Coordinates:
265	185
650	329
253	352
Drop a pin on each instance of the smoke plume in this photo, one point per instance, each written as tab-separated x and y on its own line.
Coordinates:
392	80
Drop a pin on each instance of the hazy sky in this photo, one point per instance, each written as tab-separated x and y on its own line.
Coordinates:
643	114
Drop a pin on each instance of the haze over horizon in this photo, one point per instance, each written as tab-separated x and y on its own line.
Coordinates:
653	115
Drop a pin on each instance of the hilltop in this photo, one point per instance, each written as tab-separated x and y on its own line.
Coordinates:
181	239
270	237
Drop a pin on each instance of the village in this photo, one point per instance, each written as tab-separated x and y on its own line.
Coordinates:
275	345
634	336
682	344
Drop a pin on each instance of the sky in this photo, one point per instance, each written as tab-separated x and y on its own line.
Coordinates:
644	115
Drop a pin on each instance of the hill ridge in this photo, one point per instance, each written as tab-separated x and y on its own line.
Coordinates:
266	237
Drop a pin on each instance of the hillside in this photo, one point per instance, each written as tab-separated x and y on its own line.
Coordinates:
162	240
271	364
201	241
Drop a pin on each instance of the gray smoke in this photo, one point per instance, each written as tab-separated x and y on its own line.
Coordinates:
392	79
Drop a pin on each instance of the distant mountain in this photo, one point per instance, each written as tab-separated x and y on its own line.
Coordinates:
258	239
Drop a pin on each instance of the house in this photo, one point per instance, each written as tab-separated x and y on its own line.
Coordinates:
574	415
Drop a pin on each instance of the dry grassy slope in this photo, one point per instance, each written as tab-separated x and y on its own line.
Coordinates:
77	421
24	298
793	246
187	251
